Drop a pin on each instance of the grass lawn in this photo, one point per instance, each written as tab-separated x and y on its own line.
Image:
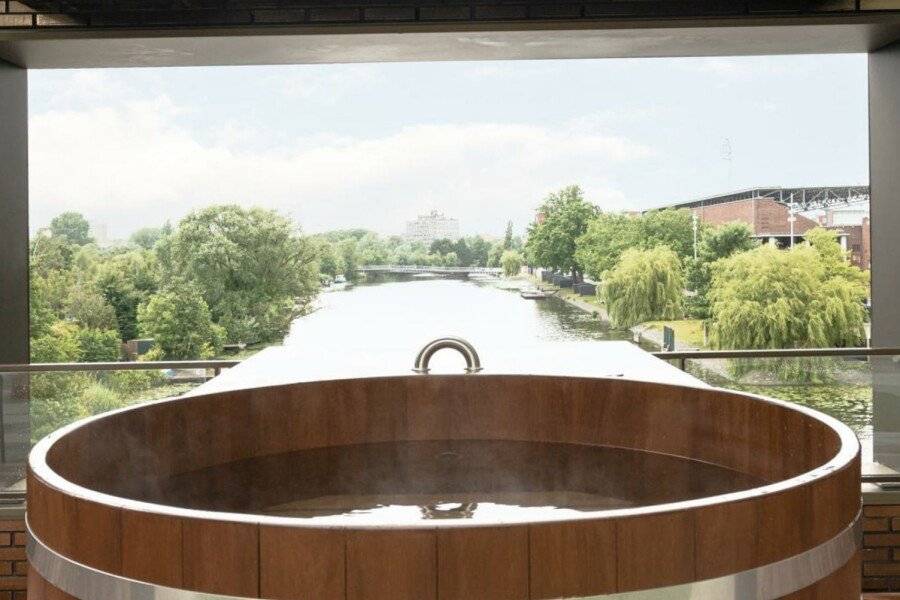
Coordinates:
569	293
687	331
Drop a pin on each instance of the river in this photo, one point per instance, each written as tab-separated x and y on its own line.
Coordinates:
408	312
412	311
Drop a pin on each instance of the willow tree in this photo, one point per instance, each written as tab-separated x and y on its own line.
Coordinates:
806	297
511	261
645	285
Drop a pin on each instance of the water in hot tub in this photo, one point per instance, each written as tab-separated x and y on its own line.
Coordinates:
478	480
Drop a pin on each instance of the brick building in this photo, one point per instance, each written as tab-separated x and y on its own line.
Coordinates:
769	219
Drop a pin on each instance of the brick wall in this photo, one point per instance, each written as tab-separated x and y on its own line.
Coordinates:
764	216
13	568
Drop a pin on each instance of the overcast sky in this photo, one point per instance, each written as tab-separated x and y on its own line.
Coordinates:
338	146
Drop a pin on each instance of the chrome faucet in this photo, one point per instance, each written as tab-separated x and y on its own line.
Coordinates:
473	363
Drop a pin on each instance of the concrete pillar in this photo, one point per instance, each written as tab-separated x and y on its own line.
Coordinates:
884	178
14	346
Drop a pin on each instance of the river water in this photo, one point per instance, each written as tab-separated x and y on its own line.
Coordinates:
407	312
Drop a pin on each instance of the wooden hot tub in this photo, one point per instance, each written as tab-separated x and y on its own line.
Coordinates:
469	487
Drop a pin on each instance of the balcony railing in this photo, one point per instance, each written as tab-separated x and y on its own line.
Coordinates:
845	368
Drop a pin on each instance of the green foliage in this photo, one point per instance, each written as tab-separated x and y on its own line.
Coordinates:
495	255
254	271
511	262
725	240
805	297
126	280
608	235
552	241
349	258
716	244
442	247
329	261
179	319
58	344
96	399
41	314
55	401
673	228
646	285
128	383
147	237
450	260
98	345
89	308
50	254
73	227
371	250
508	236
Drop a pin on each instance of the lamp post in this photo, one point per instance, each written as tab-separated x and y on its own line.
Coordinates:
694	220
792	219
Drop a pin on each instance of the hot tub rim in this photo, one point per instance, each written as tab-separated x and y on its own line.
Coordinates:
845	457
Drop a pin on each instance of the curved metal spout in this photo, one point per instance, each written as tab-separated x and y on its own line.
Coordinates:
473	363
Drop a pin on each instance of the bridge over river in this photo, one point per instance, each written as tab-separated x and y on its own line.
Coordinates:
424	270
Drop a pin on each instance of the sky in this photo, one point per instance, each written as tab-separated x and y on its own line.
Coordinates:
373	145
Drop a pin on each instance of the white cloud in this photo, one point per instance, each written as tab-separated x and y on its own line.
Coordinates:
135	164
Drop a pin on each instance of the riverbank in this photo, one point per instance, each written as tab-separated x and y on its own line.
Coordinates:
688	332
589	304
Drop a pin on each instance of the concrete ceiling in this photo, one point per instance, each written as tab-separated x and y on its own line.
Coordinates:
346	43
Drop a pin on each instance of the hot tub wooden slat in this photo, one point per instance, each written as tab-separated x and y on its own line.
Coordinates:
151	548
301	564
96	534
784	528
767	440
727	540
572	559
391	565
655	551
483	562
220	557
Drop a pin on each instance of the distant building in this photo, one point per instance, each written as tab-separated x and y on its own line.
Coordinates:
433	226
852	226
769	217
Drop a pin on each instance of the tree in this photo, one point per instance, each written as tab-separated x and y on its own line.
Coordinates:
90	309
463	253
646	285
147	237
254	271
441	247
552	239
50	254
41	314
179	320
508	236
511	262
608	235
716	244
329	261
673	228
126	281
349	258
98	345
73	227
479	248
798	298
450	260
495	255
